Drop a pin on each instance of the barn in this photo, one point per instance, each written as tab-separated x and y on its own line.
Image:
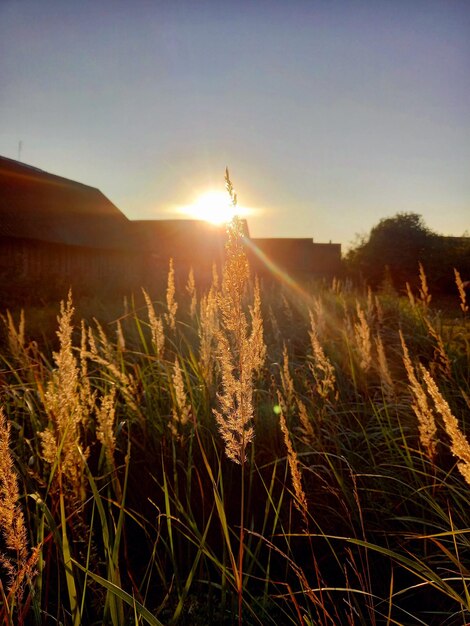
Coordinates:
56	232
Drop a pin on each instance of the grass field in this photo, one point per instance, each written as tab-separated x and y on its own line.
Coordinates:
245	455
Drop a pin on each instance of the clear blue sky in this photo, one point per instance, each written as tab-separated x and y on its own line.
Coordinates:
330	114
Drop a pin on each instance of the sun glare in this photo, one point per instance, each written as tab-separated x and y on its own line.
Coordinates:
214	207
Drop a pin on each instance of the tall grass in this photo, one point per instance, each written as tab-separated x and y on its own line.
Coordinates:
248	454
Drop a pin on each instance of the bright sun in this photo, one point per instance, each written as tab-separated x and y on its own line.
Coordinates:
214	207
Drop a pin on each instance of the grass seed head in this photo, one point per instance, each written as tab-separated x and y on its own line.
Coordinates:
459	443
171	304
240	345
426	422
424	295
181	407
363	340
300	500
156	326
461	290
192	293
16	561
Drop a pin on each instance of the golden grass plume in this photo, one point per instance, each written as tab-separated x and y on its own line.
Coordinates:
156	326
300	499
207	331
64	405
241	350
461	290
362	339
424	295
420	405
459	443
181	407
321	367
171	304
192	293
17	562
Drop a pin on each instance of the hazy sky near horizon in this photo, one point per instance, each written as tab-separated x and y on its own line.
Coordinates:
329	114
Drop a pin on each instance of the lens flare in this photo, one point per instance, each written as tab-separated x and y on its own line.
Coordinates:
214	207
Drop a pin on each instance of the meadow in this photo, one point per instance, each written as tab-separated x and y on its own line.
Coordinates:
242	454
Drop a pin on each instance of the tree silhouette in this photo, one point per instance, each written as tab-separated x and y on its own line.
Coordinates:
396	246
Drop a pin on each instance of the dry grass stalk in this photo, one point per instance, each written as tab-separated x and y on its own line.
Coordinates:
379	309
300	500
287	381
106	347
411	297
104	355
65	407
461	289
370	305
105	418
459	443
156	326
181	408
235	416
384	371
208	329
305	423
322	370
192	293
348	325
120	339
16	337
19	566
171	304
465	396
240	349
26	355
275	331
362	338
320	315
287	309
87	395
441	360
424	295
257	330
336	286
426	422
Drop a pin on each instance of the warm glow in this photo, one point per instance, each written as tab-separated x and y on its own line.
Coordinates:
214	207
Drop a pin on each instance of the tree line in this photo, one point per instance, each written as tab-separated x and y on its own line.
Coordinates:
392	251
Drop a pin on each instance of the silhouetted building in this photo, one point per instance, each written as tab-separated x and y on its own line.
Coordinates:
191	243
57	232
301	258
57	229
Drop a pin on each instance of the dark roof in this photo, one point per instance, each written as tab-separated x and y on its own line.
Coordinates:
37	205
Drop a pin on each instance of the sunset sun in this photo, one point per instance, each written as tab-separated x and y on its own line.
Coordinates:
214	207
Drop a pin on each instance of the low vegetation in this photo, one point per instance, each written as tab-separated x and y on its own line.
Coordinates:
251	454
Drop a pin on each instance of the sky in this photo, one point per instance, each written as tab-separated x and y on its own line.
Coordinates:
330	114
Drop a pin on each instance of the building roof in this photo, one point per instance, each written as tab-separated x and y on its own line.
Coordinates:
37	205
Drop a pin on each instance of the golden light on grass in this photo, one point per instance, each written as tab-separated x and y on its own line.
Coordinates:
214	207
